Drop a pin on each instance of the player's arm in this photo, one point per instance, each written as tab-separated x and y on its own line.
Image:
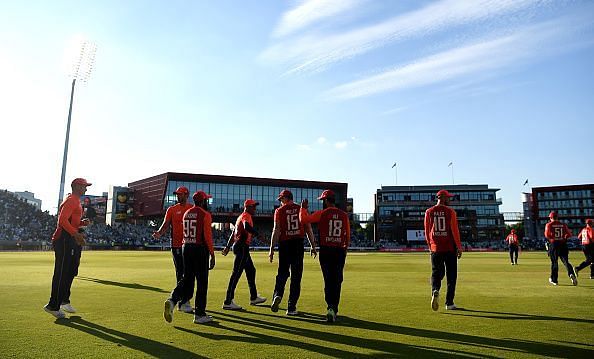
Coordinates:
311	238
248	227
64	218
274	238
547	232
307	218
164	226
207	230
456	232
428	224
348	233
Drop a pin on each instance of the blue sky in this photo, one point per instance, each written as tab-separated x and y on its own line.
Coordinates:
320	90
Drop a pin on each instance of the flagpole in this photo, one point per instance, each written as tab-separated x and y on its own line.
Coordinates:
396	173
452	165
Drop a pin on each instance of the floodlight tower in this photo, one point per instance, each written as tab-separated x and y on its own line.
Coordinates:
81	70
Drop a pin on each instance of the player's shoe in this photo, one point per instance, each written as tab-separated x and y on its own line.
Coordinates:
551	281
186	308
451	307
68	308
232	306
513	263
293	312
330	316
573	279
168	310
201	319
59	314
275	303
257	300
435	300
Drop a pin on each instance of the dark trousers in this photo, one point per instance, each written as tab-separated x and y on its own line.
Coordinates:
178	262
332	262
444	263
64	269
589	253
290	263
243	261
558	250
196	262
77	255
513	251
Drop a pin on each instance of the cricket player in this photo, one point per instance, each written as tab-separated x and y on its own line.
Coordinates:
174	219
513	243
288	232
335	236
443	238
242	237
587	237
197	247
65	240
557	233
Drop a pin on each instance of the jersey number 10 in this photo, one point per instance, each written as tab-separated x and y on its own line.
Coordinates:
440	223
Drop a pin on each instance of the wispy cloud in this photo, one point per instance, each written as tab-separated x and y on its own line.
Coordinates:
341	145
304	147
309	12
323	144
314	52
474	59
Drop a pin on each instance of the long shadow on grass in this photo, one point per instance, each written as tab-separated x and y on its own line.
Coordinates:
515	316
298	339
515	346
148	346
123	284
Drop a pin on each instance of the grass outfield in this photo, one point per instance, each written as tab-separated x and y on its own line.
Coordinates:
510	311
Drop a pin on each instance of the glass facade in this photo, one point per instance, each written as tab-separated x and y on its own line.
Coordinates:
403	208
573	205
230	197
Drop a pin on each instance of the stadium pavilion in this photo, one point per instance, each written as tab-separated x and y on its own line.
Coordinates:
401	211
150	197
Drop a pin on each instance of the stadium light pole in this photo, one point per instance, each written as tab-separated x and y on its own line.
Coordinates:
81	70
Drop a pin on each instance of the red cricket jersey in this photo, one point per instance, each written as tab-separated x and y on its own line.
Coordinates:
240	232
441	229
175	215
197	227
587	236
287	218
333	226
512	239
69	216
557	231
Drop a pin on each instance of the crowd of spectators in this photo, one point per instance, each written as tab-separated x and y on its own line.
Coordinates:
21	221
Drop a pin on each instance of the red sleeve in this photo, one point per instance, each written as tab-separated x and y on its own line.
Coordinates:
305	218
428	224
64	217
168	215
348	232
455	230
208	232
547	233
